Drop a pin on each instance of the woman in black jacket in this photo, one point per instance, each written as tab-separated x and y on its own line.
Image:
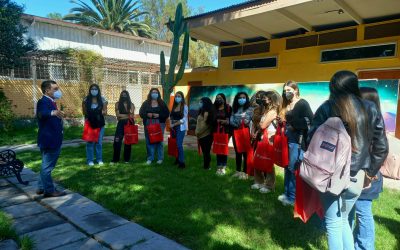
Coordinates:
366	128
154	110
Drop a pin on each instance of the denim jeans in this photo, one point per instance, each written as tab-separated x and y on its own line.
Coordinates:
49	160
337	210
99	148
364	231
290	178
152	148
180	135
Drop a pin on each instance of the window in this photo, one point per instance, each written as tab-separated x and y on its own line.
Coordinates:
42	71
145	78
364	52
5	72
134	77
269	62
155	79
116	76
63	72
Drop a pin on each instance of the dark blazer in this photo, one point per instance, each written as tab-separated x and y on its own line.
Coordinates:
50	133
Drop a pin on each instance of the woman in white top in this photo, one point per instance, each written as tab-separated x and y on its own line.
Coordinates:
265	182
179	124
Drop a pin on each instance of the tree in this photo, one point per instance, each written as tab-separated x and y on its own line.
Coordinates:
55	16
200	53
13	45
117	15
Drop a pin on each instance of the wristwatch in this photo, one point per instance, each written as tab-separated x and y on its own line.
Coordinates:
371	178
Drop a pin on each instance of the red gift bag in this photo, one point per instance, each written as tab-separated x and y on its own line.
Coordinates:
172	145
90	134
250	162
307	200
242	139
281	148
131	132
154	132
264	155
221	140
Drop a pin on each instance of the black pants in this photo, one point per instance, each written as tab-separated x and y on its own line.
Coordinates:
205	144
119	135
240	157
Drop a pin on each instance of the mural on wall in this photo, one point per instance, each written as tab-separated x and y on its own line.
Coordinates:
314	92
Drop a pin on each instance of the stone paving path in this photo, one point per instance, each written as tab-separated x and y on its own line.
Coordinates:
71	221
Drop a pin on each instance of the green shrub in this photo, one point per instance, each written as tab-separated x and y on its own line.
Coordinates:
6	114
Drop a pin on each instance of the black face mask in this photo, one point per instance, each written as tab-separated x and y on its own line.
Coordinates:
219	102
259	101
124	99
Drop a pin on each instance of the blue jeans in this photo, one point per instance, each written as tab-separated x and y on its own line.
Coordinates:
99	148
337	210
179	141
151	148
290	178
364	232
49	160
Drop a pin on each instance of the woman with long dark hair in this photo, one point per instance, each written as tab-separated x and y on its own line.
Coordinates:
204	128
124	110
298	115
94	107
366	128
179	124
242	114
154	109
223	112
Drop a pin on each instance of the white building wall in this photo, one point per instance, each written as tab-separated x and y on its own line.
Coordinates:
51	36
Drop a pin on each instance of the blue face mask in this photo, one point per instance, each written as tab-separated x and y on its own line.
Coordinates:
178	99
154	96
242	101
94	92
200	105
57	94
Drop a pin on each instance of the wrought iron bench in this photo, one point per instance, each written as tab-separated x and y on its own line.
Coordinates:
9	164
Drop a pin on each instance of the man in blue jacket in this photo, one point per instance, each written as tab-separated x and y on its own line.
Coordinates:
50	136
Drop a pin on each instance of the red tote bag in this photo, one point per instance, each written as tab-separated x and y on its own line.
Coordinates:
154	132
131	132
242	139
221	140
172	145
90	134
264	155
281	148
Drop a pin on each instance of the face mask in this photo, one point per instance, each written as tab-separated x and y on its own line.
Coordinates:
57	94
242	101
289	95
124	98
94	92
154	96
259	101
178	99
200	105
219	102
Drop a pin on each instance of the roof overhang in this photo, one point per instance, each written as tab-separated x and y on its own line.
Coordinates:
266	19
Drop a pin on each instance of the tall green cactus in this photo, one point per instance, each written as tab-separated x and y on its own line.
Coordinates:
178	28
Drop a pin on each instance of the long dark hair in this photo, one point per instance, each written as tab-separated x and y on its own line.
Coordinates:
121	106
226	105
276	101
159	100
371	94
89	98
235	105
209	108
344	91
182	102
293	85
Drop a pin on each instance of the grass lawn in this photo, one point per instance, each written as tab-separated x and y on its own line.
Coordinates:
28	135
7	232
199	209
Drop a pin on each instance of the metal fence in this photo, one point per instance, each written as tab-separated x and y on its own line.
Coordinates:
21	84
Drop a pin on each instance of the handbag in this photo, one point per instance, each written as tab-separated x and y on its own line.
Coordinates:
221	140
281	148
90	134
154	132
172	144
264	155
131	132
242	139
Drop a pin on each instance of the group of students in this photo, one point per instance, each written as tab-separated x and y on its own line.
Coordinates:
359	109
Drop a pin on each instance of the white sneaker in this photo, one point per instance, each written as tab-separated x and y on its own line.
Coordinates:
237	174
286	202
256	186
218	171
282	197
101	163
223	171
264	190
159	162
243	176
148	162
91	164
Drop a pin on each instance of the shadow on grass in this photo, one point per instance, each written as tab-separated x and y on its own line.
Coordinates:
192	206
392	225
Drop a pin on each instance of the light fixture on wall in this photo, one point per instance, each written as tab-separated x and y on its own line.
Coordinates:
338	11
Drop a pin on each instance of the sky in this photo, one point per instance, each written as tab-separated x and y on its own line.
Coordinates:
43	7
